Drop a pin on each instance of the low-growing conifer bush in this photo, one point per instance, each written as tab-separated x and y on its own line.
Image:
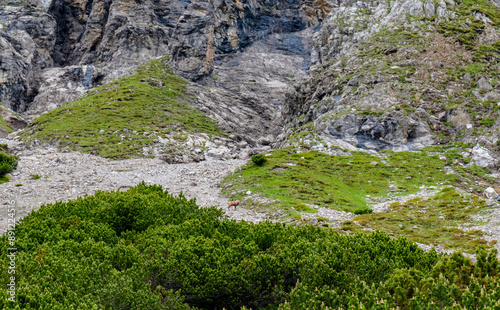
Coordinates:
147	249
7	163
259	159
365	210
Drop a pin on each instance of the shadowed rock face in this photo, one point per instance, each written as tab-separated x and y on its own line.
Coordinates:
101	32
247	92
194	33
116	35
26	38
247	53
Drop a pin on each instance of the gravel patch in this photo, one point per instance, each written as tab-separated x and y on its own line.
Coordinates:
68	175
442	249
424	193
335	218
491	228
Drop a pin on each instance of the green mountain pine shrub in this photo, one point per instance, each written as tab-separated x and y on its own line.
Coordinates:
146	249
7	163
259	159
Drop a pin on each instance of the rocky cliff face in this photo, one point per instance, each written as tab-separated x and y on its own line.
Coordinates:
398	75
26	38
401	75
195	33
242	56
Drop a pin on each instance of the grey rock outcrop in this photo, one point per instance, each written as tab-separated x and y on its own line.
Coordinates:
26	37
242	56
11	119
368	86
246	93
394	131
195	33
490	193
483	157
483	84
61	85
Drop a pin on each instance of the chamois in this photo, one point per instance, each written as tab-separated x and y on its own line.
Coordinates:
232	204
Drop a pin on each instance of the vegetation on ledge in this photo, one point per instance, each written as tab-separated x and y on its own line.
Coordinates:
7	163
339	182
440	220
5	126
118	119
299	182
441	70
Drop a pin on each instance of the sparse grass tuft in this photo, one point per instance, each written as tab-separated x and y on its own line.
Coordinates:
466	28
5	126
300	207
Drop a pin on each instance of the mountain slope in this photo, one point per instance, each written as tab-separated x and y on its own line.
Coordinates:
403	75
79	45
406	75
130	117
377	133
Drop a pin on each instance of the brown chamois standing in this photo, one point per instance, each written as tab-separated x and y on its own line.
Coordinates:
232	204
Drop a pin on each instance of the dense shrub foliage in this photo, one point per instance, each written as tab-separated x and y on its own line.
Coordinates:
7	163
259	159
146	249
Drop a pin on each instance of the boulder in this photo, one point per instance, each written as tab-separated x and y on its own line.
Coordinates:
482	157
13	119
483	84
490	193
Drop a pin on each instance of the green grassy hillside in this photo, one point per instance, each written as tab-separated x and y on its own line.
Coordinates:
299	182
118	119
338	182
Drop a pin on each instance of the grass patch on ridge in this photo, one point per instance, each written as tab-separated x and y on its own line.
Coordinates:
5	126
466	28
118	119
337	182
431	221
293	181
